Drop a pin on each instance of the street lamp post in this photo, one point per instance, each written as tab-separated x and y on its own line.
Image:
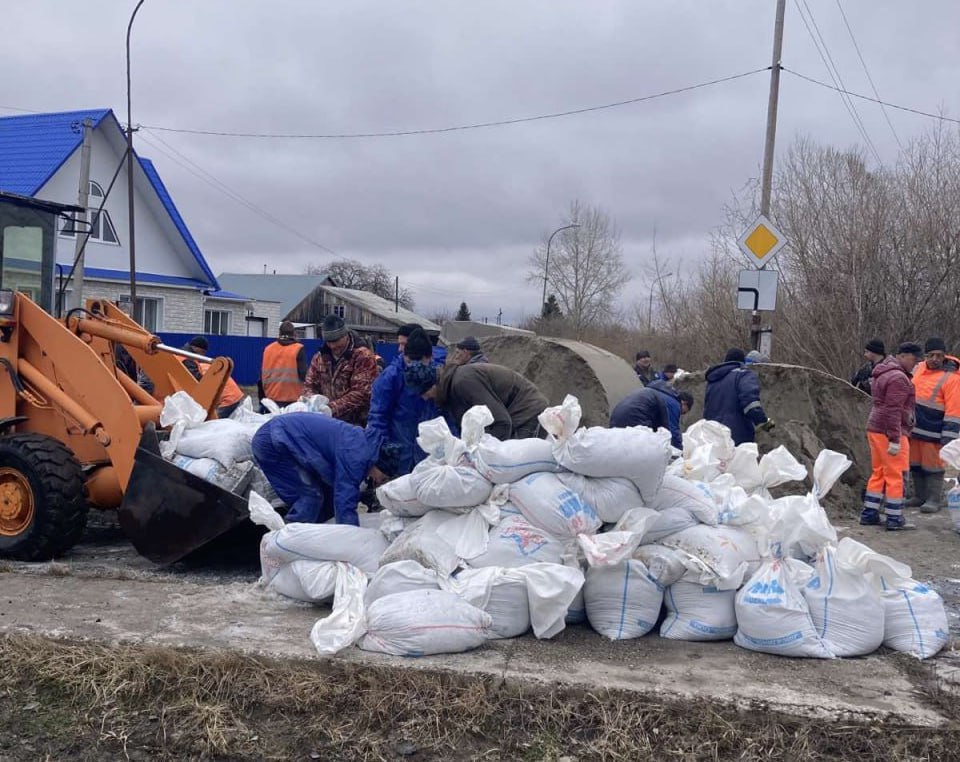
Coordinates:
546	262
133	252
650	304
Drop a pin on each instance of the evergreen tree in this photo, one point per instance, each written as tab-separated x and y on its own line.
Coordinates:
463	313
551	310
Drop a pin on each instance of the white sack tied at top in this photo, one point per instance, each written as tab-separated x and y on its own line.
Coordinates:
503	462
636	453
446	478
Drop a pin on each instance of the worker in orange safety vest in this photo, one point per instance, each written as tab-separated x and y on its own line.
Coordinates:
231	396
283	368
937	387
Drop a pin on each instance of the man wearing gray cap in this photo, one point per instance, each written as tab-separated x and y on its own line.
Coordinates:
343	371
468	352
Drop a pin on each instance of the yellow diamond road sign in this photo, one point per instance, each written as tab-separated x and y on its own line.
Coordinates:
761	242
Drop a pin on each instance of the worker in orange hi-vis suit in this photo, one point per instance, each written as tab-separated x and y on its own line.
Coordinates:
937	386
891	419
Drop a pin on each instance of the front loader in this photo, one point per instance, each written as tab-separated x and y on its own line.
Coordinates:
78	432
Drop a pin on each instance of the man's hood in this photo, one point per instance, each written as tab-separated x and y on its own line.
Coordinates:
718	372
664	387
887	365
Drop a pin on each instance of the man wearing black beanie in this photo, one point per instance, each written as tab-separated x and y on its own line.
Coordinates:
733	398
873	353
937	388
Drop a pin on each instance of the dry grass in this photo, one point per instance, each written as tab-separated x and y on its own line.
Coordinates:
176	704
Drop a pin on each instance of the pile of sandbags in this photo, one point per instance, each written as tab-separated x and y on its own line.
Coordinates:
488	539
219	451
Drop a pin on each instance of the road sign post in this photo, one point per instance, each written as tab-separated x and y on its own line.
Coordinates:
760	243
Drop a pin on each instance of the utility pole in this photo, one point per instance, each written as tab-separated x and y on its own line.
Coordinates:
396	294
81	235
133	251
766	180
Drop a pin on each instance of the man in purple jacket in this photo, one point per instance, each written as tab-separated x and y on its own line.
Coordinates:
890	421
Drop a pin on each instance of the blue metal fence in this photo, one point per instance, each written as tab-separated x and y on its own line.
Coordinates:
247	351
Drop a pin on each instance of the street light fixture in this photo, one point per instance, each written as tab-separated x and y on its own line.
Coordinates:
546	262
650	304
133	253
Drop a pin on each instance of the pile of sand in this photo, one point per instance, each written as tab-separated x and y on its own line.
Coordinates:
559	367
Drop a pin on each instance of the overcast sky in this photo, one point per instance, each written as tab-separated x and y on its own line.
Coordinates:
455	215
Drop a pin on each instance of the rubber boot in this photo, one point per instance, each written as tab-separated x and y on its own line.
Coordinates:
934	501
919	481
870	517
895	521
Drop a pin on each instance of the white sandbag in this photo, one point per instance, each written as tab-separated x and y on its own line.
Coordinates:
505	462
655	525
692	496
422	543
346	623
636	453
310	581
722	556
845	608
743	468
664	565
308	403
915	620
516	542
609	496
739	509
827	468
697	612
609	548
236	479
622	601
260	484
423	622
223	440
708	450
950	455
772	614
779	467
181	407
450	487
552	593
400	577
469	533
399	496
322	542
548	504
502	593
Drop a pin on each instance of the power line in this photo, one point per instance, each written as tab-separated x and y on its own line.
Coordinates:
863	97
867	72
456	128
827	59
199	172
836	69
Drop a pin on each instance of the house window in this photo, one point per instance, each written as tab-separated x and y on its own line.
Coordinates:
340	310
101	226
148	312
216	322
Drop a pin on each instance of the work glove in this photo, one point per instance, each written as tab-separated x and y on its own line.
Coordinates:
767	425
893	448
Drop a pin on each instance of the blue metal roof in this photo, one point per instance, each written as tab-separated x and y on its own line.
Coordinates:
230	295
124	277
34	146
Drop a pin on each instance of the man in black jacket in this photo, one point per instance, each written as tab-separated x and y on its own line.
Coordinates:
874	352
656	406
514	401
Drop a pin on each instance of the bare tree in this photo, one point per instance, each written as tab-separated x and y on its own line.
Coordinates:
586	270
377	279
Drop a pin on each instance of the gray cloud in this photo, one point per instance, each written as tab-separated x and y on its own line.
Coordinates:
457	214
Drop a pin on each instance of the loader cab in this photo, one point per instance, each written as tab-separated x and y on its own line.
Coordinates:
28	238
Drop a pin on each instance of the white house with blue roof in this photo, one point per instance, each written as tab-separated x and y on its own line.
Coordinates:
176	289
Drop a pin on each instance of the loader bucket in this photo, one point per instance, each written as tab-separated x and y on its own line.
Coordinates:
167	512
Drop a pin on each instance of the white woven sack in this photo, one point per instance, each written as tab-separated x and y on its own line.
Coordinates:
622	601
697	612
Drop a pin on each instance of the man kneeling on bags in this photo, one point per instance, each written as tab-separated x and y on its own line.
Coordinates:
317	464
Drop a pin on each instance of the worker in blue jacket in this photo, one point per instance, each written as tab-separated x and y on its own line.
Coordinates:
317	464
733	398
395	412
655	406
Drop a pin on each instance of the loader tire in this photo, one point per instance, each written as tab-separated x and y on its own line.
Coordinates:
43	509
